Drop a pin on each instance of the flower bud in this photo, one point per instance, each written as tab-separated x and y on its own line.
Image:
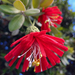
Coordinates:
32	28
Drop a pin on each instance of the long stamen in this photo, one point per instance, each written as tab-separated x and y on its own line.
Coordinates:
25	52
54	16
49	21
40	63
35	57
30	57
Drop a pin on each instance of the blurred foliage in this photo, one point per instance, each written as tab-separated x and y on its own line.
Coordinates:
10	13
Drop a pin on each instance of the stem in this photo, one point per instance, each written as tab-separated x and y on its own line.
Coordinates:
30	21
33	22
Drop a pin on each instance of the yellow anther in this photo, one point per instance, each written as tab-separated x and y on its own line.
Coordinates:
27	68
55	16
34	63
48	26
34	70
47	21
40	55
37	63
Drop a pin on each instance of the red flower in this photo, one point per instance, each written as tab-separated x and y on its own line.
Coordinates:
35	47
50	17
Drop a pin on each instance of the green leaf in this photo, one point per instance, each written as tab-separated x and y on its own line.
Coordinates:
38	14
35	3
19	5
60	28
56	32
9	9
29	4
13	66
25	2
46	3
11	1
32	12
4	71
70	57
6	1
3	54
26	22
18	70
16	22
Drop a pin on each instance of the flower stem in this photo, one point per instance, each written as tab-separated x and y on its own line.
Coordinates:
30	21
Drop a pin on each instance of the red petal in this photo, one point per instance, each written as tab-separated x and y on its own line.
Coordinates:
53	48
55	43
18	50
56	50
42	32
56	58
17	41
41	48
26	62
43	64
12	61
37	69
19	62
56	38
49	56
9	57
